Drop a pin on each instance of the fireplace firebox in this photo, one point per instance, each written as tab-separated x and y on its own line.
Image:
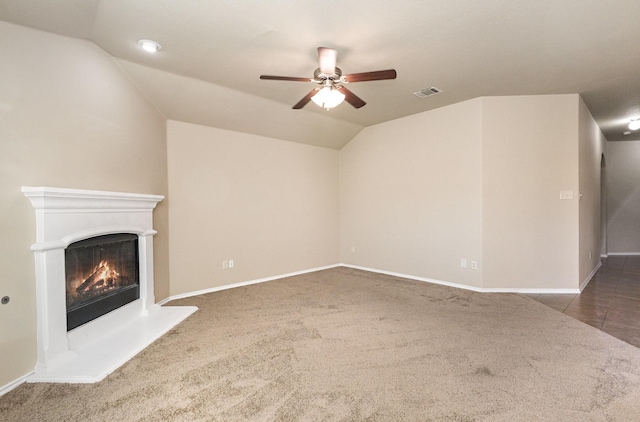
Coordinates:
102	274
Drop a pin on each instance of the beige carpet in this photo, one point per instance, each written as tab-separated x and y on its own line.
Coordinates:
347	345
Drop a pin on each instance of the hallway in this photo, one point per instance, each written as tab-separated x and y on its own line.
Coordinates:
610	302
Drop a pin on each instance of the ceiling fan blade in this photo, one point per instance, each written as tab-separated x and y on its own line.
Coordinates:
305	100
284	78
371	76
352	98
327	58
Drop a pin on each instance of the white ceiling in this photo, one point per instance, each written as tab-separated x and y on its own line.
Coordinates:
214	52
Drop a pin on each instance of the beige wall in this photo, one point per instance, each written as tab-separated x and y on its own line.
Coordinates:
411	198
272	206
69	118
623	197
591	149
478	180
530	154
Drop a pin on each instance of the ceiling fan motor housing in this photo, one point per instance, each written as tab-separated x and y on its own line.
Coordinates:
321	77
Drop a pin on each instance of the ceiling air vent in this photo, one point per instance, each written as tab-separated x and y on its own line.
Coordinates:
427	92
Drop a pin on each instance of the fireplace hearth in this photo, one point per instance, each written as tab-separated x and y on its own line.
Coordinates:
94	282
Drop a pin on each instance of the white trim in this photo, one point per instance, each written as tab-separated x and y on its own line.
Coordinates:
467	287
75	237
590	276
58	200
13	384
603	255
531	291
623	253
243	283
374	270
412	277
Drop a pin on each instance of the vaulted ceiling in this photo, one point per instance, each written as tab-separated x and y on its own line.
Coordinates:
213	53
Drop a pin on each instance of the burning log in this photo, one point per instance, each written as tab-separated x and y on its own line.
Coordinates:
93	281
102	276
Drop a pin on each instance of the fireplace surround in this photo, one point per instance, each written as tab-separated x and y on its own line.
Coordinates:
91	351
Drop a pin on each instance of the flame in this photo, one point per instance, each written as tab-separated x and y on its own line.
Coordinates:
103	276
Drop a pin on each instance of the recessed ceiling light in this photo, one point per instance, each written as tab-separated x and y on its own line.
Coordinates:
634	124
149	45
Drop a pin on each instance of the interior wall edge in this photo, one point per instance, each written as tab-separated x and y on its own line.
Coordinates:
586	281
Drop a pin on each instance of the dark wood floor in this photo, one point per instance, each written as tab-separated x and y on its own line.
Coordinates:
610	302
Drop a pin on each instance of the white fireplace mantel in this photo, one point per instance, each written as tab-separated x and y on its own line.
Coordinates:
92	351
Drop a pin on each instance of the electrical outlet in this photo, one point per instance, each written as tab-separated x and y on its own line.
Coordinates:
225	265
231	263
474	265
566	194
463	263
353	249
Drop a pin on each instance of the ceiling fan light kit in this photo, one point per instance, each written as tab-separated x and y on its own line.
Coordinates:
332	91
328	97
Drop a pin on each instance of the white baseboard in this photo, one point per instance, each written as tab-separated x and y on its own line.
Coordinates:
623	253
375	270
531	291
465	286
13	384
413	277
244	283
590	276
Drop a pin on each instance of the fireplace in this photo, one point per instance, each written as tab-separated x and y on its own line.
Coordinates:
95	304
102	274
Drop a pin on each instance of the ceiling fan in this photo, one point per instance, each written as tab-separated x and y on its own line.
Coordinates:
331	91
